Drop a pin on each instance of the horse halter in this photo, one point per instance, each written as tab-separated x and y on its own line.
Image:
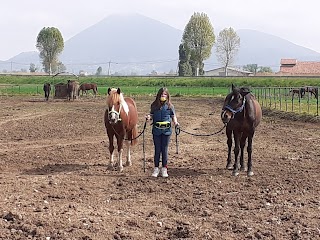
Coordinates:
235	111
113	115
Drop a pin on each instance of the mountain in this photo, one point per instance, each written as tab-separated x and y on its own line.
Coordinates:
267	50
21	62
130	42
135	44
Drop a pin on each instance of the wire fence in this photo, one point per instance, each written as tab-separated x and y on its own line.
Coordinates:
290	99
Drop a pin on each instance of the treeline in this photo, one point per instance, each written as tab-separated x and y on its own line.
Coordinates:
169	81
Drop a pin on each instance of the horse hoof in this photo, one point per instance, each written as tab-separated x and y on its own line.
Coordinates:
250	174
229	167
120	169
110	167
243	169
234	173
129	163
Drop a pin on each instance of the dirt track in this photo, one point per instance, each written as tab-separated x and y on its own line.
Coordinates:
55	184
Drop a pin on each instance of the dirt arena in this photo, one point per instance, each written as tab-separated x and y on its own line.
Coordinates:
55	185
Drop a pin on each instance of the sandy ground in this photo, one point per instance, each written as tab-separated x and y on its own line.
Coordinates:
54	181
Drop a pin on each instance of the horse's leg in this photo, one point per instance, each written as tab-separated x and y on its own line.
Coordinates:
249	149
120	151
229	142
237	136
242	145
129	163
111	150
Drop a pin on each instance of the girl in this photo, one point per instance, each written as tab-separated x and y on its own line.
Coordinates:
162	112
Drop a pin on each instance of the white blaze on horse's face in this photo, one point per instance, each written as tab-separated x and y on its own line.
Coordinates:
231	107
113	115
226	116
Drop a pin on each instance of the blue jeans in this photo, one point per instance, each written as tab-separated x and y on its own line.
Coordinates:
161	143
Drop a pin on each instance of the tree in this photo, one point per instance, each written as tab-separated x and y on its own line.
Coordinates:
50	44
265	70
33	68
184	62
99	71
251	68
227	46
198	37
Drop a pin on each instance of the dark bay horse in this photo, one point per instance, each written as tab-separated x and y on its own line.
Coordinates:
311	90
299	91
242	114
72	89
84	87
120	119
47	89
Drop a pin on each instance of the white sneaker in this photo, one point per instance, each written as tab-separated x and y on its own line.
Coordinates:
164	172
156	172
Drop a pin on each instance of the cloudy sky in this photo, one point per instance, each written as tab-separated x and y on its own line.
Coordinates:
20	21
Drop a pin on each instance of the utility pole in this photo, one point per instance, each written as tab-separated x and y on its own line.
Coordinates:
109	68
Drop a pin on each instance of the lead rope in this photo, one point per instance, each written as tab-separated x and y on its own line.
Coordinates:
177	130
143	147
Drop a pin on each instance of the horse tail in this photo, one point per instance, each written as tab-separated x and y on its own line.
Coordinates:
134	135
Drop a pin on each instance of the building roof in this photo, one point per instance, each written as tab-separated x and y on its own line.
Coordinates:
306	68
230	68
288	61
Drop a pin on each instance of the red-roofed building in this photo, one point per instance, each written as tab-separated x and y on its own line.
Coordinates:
294	67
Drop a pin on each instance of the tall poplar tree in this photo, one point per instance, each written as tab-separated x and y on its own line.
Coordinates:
50	44
198	37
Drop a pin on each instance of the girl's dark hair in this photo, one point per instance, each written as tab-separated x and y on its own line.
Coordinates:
157	103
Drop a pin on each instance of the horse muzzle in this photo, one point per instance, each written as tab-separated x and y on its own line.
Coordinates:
113	118
226	116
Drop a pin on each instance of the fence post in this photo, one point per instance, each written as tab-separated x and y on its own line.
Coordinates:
280	103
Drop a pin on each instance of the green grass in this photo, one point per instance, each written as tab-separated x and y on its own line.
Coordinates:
271	92
168	81
35	89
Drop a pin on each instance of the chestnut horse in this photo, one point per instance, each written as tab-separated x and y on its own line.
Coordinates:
120	119
242	114
84	87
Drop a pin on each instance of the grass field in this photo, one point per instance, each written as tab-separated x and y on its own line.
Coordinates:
272	92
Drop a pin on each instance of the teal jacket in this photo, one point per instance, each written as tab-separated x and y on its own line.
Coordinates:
164	114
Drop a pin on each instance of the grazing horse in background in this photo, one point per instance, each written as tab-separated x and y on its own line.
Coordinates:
72	89
242	114
299	91
84	87
120	119
312	90
47	89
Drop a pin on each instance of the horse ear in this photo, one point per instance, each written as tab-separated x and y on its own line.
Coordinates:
232	86
118	91
244	91
109	90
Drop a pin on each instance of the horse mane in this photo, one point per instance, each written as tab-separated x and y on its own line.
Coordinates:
115	98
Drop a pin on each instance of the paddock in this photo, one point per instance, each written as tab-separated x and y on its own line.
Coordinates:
55	182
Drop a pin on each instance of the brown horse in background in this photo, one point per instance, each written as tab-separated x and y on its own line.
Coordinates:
84	87
312	90
299	91
242	114
47	89
72	89
120	119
